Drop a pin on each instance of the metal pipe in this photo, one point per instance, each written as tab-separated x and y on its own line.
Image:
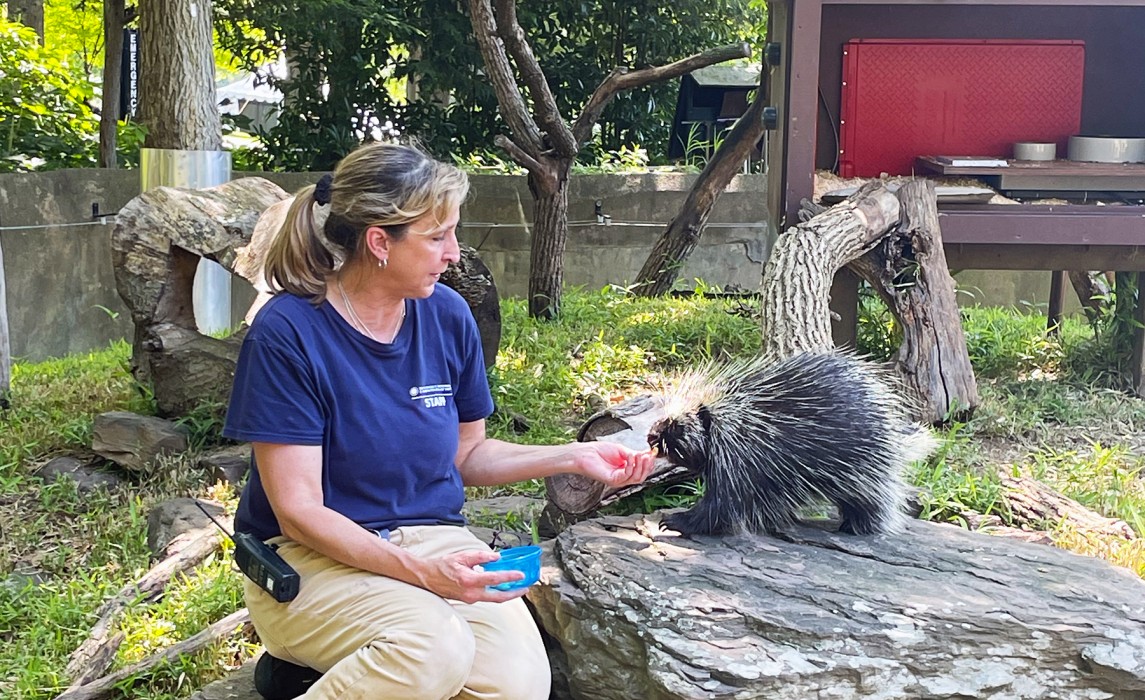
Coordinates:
163	167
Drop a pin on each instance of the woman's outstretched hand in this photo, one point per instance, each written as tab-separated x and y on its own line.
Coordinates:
613	464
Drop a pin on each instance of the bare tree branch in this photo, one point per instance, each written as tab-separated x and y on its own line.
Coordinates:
560	136
236	623
501	76
682	236
88	660
518	154
622	79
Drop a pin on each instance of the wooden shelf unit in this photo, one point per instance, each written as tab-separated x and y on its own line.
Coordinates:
804	88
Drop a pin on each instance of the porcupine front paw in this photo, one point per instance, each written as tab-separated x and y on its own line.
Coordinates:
696	521
678	522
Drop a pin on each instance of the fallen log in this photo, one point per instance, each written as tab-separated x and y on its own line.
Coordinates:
93	662
572	497
157	242
236	623
1034	504
94	656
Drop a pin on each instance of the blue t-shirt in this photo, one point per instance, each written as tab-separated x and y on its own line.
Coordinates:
386	416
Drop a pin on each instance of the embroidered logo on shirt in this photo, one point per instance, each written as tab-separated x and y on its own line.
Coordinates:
432	395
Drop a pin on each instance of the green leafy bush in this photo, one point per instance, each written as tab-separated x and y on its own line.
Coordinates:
46	118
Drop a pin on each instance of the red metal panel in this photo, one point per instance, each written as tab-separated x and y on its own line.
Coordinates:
903	98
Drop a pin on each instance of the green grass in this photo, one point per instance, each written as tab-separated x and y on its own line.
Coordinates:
62	552
955	481
606	344
1043	397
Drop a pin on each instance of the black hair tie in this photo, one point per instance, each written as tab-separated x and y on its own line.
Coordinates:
322	189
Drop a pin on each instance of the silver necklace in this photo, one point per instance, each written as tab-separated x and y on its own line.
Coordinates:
356	319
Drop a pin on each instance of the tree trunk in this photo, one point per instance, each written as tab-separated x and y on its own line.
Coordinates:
671	251
1092	290
29	13
908	271
550	234
5	343
546	145
178	104
113	20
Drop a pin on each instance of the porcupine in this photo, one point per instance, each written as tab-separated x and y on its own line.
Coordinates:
769	440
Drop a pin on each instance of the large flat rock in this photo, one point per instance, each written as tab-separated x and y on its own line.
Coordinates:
934	612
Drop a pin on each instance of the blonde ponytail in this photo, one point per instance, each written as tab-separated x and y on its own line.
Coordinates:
298	260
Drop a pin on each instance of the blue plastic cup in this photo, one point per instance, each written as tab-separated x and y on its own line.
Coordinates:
526	559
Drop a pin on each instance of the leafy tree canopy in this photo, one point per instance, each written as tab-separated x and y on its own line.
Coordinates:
359	68
75	29
46	120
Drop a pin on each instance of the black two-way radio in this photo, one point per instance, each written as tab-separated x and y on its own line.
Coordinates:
260	563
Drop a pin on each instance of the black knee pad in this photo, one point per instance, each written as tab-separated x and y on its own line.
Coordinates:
275	679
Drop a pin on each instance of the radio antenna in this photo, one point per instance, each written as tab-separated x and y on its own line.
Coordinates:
219	525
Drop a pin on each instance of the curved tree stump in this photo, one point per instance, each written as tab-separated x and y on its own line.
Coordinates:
797	276
156	244
908	270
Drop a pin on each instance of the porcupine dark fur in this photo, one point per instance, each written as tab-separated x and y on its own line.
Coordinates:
769	440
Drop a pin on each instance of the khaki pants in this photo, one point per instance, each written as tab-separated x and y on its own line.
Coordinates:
378	638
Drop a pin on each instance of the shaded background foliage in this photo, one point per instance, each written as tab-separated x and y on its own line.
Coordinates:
46	119
362	71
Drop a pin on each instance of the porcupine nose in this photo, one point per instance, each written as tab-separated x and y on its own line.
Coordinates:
656	438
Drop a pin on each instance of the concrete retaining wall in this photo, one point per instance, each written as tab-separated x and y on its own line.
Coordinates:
732	250
59	275
61	289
